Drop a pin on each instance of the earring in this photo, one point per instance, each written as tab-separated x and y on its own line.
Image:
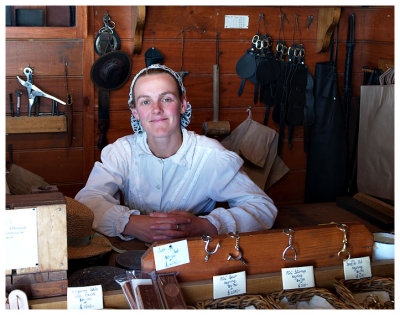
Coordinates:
136	125
186	116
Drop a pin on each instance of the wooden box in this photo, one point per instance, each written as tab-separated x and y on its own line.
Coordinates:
49	277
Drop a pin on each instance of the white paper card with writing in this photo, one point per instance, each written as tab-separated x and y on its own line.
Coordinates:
229	284
298	277
85	298
357	268
171	255
21	240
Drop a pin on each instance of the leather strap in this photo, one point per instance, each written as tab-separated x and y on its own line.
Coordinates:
104	116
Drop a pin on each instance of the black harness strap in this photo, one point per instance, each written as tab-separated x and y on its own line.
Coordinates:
104	116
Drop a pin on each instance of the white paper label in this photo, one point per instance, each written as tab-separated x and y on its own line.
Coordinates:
229	284
85	298
357	268
237	21
298	277
21	240
171	255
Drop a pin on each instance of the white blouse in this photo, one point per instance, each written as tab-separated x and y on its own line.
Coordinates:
201	173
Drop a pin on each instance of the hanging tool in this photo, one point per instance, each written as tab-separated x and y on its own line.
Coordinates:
107	39
19	93
33	91
11	104
68	110
216	127
182	73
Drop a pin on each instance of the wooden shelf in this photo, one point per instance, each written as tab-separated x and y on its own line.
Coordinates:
36	124
78	31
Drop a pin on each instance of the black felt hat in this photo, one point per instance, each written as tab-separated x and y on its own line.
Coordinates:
111	70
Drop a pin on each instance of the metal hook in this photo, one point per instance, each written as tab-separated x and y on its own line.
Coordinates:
249	111
344	228
207	239
290	233
238	257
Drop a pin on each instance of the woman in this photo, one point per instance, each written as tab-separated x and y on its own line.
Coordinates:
170	178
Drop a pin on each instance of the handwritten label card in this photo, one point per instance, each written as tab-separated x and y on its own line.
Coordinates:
171	255
21	241
229	284
357	268
85	298
298	277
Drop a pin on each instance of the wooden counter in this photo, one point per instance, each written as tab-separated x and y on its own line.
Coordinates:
289	216
317	213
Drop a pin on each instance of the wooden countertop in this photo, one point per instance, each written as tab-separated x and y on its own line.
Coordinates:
317	213
296	215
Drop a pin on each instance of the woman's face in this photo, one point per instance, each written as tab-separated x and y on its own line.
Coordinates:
158	106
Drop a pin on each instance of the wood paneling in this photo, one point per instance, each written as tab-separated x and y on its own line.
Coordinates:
46	57
55	166
49	154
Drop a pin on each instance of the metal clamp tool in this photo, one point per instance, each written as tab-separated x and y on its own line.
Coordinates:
33	91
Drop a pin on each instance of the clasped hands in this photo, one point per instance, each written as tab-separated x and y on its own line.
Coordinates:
163	226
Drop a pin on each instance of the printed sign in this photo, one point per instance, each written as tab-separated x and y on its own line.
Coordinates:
85	298
21	240
229	284
357	268
298	277
171	255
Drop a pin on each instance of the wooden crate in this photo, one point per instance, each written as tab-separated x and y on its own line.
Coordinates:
49	277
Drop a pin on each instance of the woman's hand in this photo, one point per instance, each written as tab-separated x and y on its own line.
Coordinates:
194	225
149	228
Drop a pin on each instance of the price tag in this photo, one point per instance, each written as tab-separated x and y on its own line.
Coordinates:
171	255
298	277
229	284
357	268
85	298
21	240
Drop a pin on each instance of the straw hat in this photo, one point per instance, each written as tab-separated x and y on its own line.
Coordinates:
83	242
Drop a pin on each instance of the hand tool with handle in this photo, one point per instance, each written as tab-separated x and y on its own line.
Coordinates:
216	128
11	104
19	93
33	91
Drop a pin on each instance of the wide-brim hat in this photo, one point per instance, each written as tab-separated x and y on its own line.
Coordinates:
111	70
82	241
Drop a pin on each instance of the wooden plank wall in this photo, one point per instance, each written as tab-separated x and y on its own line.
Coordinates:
68	167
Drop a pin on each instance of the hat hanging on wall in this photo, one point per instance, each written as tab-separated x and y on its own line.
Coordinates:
111	70
153	56
82	241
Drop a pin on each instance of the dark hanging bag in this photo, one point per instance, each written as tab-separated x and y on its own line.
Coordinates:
326	160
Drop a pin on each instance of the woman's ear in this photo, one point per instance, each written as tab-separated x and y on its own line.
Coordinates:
135	113
184	105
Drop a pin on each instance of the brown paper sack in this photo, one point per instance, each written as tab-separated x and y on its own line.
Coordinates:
375	170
